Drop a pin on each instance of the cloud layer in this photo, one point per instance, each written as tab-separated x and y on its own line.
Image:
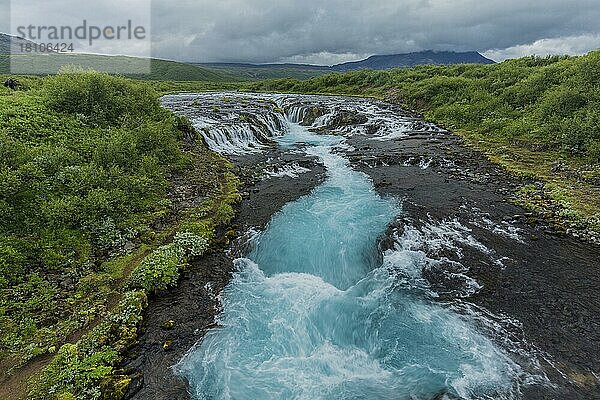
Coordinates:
565	45
329	31
332	31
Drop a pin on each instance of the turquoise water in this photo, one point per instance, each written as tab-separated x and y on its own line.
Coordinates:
313	313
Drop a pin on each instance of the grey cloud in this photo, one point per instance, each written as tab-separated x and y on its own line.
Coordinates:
330	31
566	45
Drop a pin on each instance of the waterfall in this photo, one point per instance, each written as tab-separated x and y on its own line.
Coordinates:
314	311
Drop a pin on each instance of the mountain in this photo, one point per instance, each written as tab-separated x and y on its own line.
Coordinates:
305	71
412	59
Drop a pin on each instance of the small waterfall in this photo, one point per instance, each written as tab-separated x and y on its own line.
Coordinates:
273	124
234	139
227	127
242	123
296	113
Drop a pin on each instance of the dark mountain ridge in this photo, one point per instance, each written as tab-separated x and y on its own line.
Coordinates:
407	60
376	62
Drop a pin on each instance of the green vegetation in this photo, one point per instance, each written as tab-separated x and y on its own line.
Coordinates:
538	117
150	69
89	226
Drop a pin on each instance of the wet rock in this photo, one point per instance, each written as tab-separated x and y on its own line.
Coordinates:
311	114
371	129
345	118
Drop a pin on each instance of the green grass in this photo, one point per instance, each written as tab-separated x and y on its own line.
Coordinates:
87	161
528	115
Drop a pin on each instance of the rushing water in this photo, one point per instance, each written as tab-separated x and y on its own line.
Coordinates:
315	313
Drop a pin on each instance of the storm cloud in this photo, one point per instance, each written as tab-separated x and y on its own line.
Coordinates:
332	31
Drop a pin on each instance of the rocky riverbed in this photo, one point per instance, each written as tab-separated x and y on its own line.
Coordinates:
530	289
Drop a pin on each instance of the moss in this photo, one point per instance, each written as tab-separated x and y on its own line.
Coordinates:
86	369
66	396
168	325
115	389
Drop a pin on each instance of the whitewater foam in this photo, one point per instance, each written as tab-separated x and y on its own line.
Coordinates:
315	312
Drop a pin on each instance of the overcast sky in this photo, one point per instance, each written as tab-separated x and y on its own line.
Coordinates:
332	31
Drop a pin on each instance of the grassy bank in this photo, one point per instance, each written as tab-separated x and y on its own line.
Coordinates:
105	197
538	117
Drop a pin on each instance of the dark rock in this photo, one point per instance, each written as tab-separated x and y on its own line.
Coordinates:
345	118
311	115
12	83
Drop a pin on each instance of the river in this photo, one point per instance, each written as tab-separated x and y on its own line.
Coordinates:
315	312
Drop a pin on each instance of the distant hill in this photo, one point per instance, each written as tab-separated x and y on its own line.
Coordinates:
164	70
412	59
50	63
12	44
269	71
167	70
306	71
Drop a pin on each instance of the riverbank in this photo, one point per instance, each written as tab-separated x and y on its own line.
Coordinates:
105	197
486	258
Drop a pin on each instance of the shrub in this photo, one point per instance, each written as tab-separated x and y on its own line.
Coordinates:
100	99
159	270
192	244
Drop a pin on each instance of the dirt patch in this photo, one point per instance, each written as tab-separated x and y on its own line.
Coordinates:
15	386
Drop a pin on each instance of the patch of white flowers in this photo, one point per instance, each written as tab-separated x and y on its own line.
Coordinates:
193	245
161	268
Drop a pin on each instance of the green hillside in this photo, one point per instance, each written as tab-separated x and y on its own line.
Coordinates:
45	64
